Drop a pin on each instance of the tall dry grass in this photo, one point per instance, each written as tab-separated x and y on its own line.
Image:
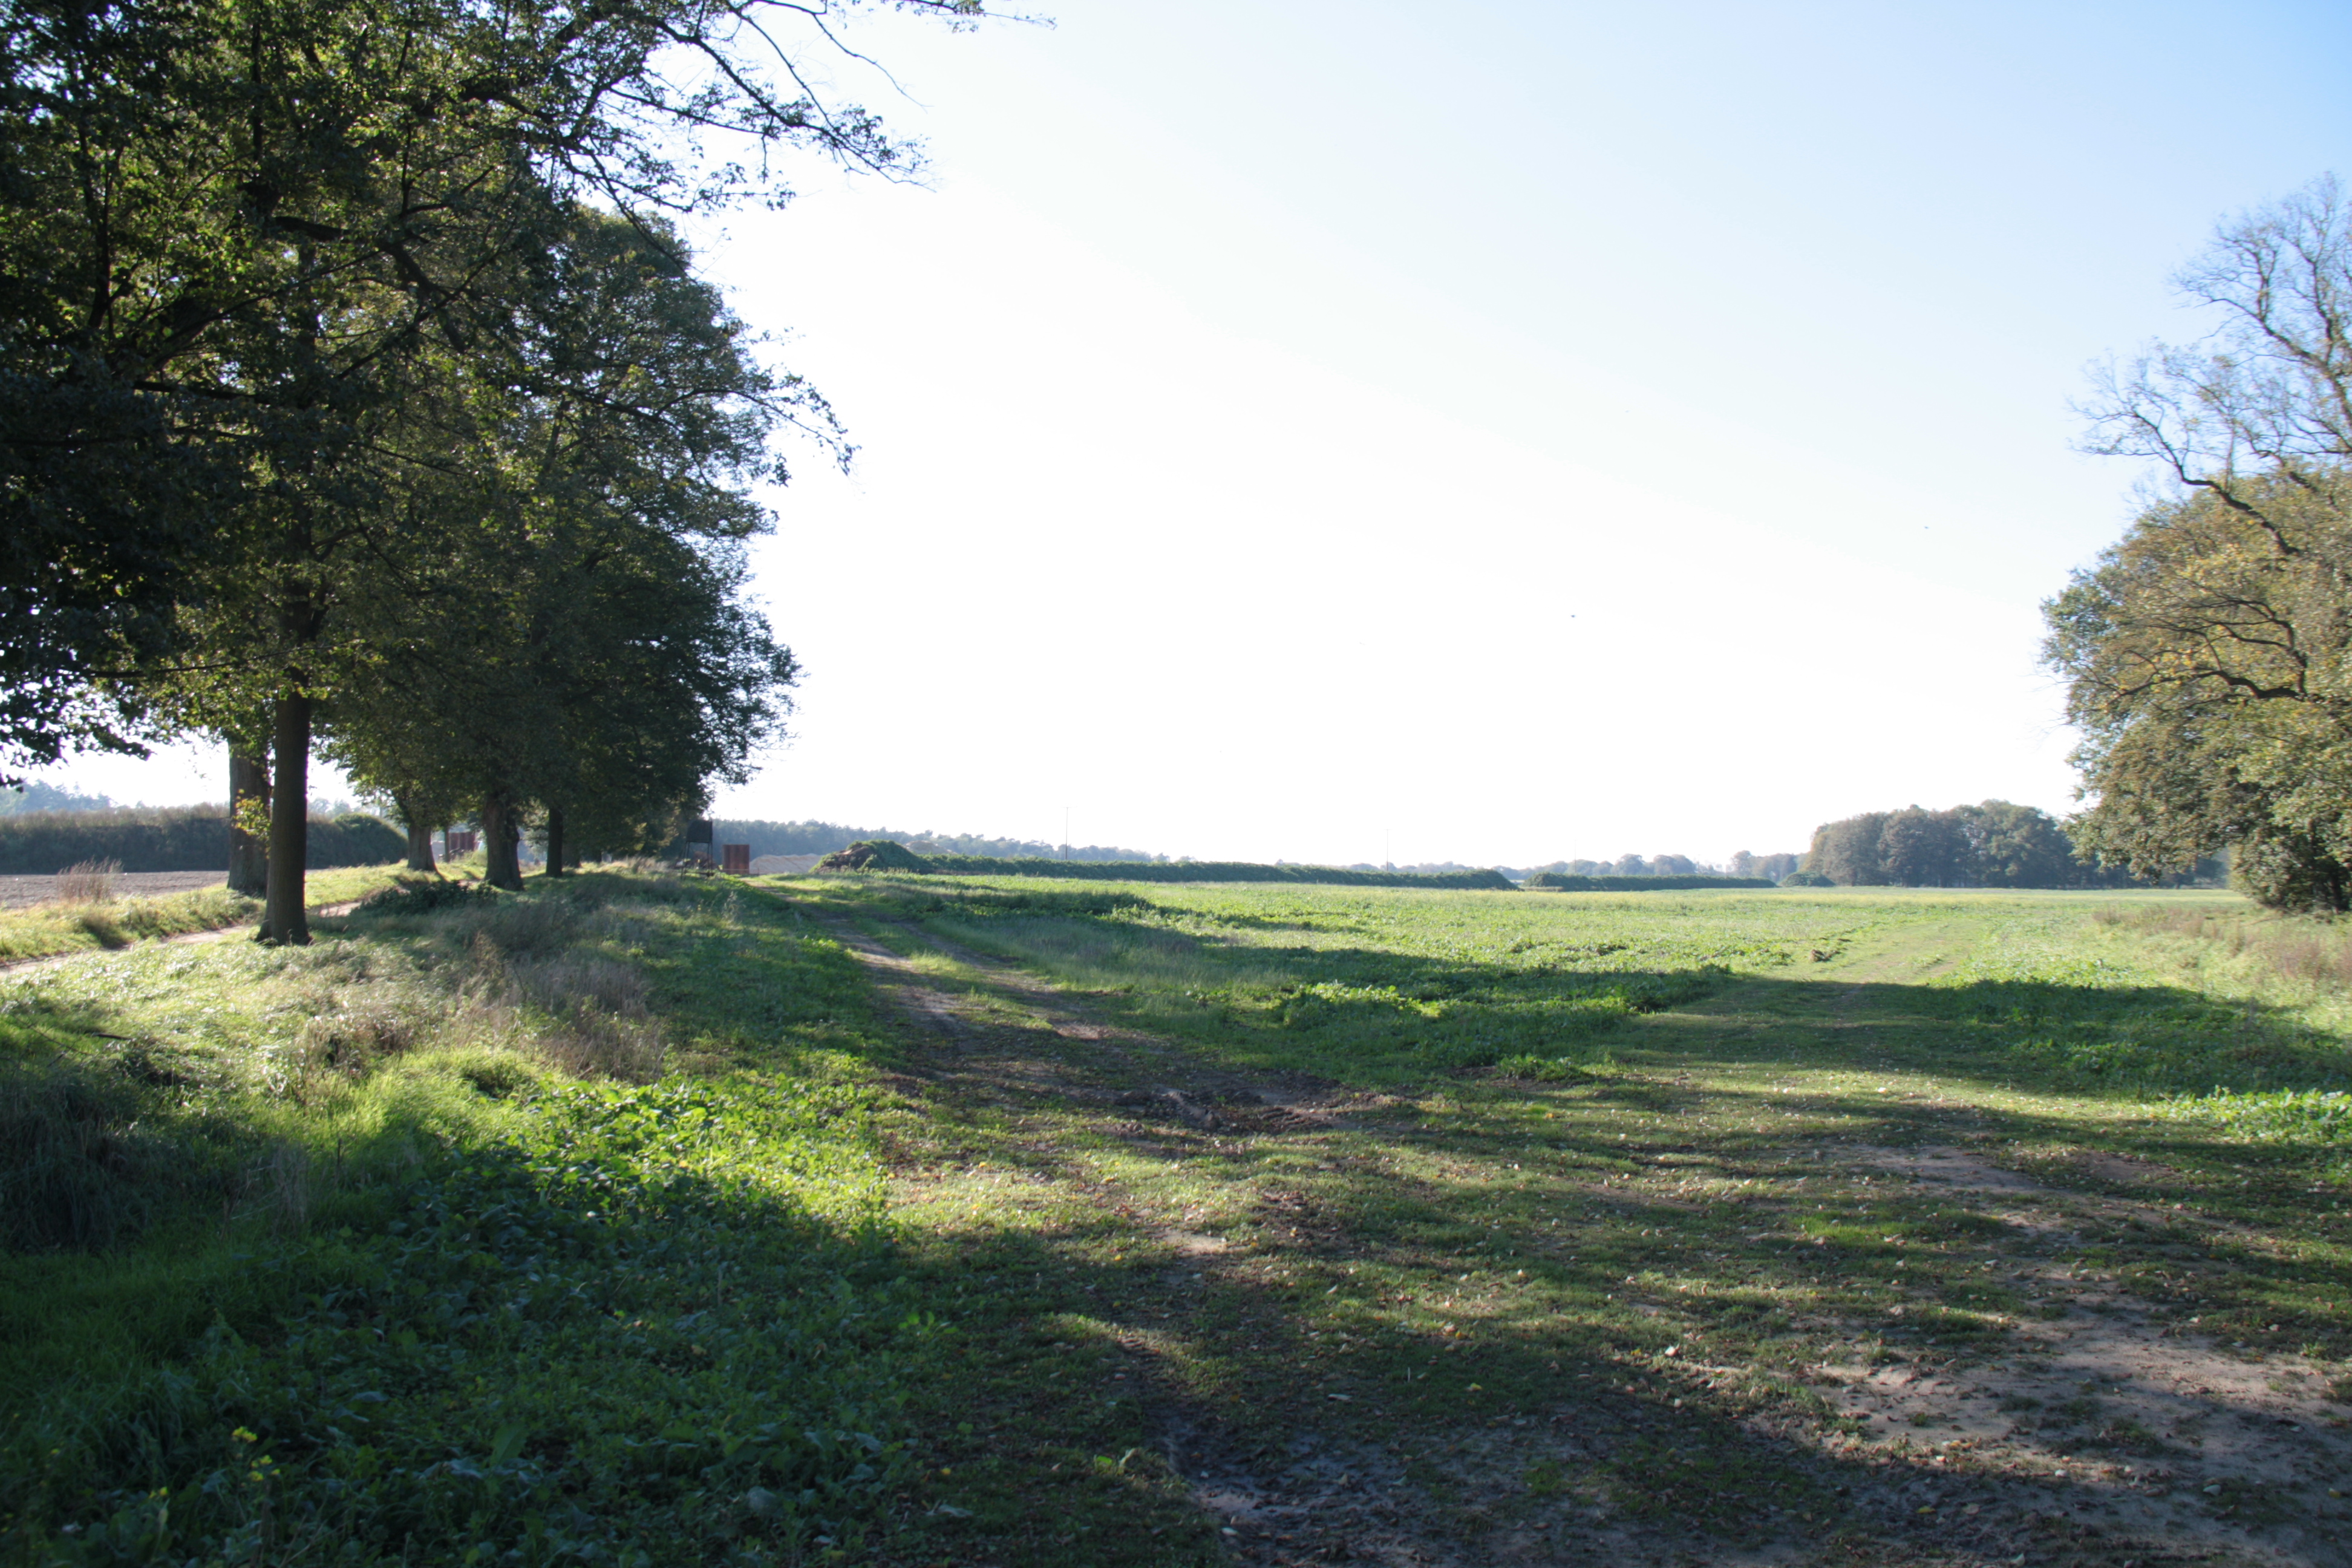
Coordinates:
89	882
534	981
2304	949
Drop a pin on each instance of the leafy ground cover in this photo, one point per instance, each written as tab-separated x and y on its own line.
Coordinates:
968	1221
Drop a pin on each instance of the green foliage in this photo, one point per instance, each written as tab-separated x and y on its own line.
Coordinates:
635	1404
598	656
176	838
1806	880
2306	1116
195	188
1992	844
353	374
2207	653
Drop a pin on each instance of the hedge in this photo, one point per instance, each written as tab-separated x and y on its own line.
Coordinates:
176	838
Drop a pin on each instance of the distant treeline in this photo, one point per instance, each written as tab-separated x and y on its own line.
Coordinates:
172	838
825	837
1563	882
1996	844
1744	865
34	795
1201	871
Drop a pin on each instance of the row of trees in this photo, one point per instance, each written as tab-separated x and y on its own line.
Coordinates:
825	837
357	390
1744	864
2207	654
1992	844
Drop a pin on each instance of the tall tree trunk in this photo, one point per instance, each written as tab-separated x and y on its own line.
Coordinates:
555	841
420	835
248	853
500	832
284	919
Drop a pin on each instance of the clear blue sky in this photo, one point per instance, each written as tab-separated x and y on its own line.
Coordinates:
1519	430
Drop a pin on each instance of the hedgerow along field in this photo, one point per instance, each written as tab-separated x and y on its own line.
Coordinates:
918	1219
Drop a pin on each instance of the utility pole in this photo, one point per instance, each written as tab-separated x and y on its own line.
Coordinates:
1065	833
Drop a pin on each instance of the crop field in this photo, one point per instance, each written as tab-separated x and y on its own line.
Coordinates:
921	1220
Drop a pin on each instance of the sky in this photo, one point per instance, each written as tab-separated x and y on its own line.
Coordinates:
1493	433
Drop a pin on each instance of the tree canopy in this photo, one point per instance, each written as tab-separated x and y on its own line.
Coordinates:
2206	652
1995	844
352	370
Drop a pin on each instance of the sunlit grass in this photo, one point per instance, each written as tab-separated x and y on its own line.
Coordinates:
48	930
1700	1221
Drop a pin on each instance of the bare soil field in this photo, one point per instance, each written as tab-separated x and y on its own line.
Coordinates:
24	892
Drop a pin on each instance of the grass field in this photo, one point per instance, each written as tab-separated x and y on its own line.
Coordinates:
975	1221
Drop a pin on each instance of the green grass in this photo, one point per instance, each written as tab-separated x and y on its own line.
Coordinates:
626	1221
381	1258
1656	1221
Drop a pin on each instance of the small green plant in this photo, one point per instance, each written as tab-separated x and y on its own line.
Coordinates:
1553	1070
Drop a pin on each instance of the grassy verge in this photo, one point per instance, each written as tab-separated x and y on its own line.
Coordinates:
538	1229
46	931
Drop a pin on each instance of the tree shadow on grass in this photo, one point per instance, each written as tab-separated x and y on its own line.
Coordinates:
1572	1418
1353	1011
1527	1398
1640	1394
